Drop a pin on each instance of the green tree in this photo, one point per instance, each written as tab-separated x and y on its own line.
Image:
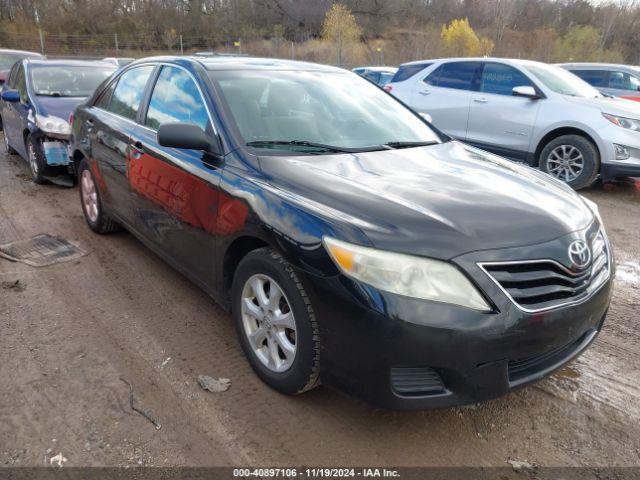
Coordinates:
582	44
459	39
340	26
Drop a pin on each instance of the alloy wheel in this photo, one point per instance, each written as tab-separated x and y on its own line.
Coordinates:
565	162
268	322
89	196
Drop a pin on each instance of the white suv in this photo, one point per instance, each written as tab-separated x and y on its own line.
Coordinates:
528	111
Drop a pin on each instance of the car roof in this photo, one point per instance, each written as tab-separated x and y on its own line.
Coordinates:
21	52
70	63
242	63
506	61
601	66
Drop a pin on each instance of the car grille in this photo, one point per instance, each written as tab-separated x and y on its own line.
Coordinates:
416	381
521	369
543	284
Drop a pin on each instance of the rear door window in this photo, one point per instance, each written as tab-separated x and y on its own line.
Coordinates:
595	78
129	91
105	97
176	98
456	75
501	79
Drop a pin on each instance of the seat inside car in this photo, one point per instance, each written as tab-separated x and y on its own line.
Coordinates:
285	115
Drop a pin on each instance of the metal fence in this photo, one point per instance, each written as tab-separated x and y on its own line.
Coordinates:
141	45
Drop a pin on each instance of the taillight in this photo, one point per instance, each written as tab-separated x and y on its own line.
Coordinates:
71	119
388	88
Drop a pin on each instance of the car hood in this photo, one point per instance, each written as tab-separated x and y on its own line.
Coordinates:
438	201
614	106
60	107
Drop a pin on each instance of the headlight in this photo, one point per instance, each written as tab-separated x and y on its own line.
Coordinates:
53	125
407	275
628	123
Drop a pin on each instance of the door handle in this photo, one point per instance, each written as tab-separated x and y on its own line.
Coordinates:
480	100
137	149
424	92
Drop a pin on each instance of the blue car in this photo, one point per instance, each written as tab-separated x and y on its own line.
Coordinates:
38	98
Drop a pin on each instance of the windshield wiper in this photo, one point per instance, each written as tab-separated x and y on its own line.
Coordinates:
314	145
411	144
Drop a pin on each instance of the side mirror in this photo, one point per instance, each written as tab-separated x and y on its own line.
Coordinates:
525	91
12	96
188	136
426	116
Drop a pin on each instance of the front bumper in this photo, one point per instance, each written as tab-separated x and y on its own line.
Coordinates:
375	344
55	149
612	168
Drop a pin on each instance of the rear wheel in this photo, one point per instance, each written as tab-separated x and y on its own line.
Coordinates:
571	159
94	213
276	322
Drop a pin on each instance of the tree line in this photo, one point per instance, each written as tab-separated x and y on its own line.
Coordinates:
360	31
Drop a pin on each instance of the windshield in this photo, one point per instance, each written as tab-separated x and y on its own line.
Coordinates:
68	81
341	110
562	81
8	59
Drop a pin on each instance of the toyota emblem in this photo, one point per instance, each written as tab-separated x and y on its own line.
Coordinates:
579	253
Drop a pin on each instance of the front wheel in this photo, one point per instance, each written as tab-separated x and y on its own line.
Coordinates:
37	163
276	322
571	159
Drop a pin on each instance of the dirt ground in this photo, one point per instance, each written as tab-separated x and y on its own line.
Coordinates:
68	332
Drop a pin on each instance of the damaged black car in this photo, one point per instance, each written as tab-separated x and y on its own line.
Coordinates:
38	99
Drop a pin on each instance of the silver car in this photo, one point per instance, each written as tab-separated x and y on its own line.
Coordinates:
378	75
527	111
618	80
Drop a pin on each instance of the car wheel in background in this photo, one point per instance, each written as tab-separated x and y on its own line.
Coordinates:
37	163
571	159
94	213
276	322
7	148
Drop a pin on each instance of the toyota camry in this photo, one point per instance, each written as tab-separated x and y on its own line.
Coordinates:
354	244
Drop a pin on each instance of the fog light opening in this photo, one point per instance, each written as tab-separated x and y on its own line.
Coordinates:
622	152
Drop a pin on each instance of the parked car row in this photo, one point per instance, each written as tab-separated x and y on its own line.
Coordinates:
616	80
531	112
378	75
38	99
354	244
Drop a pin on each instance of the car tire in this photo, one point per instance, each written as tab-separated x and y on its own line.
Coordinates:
572	159
36	160
267	270
92	206
9	150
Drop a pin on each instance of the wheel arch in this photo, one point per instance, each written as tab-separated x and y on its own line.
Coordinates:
76	158
558	132
234	254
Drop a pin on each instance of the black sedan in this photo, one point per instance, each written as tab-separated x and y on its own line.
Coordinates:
354	244
37	100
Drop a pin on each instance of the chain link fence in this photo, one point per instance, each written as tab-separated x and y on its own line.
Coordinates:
97	46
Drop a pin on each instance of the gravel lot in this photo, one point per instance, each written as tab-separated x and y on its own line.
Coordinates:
70	331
